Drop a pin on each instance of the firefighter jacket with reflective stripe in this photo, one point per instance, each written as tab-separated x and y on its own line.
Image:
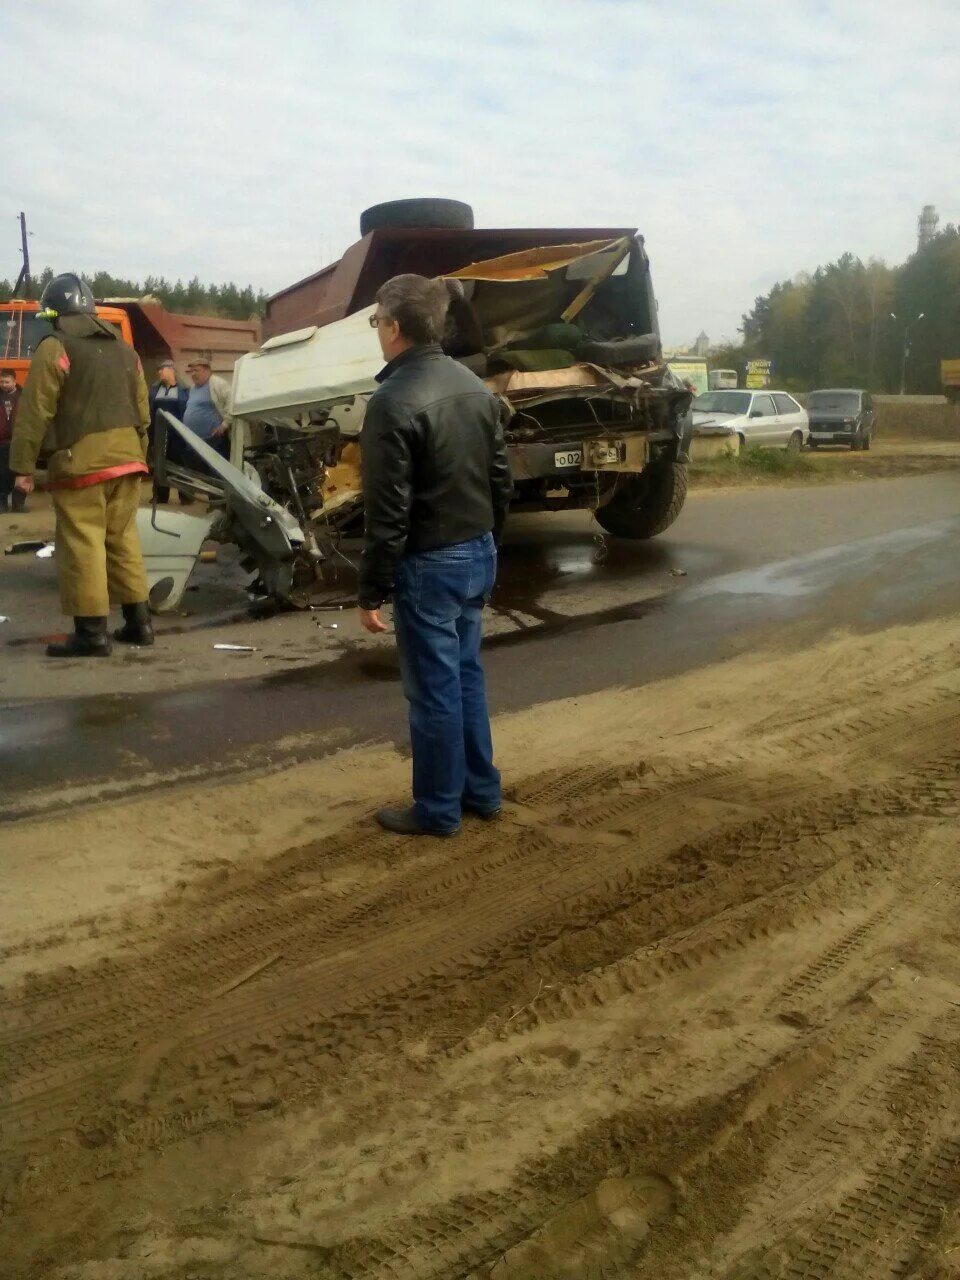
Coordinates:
85	395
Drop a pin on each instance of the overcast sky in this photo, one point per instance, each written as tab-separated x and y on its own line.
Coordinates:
240	140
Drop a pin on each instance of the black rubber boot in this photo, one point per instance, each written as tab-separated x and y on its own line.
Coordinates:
137	627
89	640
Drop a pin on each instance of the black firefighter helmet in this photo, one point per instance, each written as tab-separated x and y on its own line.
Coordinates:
67	295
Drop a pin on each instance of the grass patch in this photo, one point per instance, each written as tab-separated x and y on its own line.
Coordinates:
776	462
757	463
776	466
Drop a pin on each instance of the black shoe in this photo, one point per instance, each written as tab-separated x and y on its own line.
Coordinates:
485	814
89	640
404	822
137	627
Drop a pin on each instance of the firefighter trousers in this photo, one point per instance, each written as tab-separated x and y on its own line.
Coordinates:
98	548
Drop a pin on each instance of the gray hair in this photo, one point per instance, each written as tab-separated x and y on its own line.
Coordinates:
418	305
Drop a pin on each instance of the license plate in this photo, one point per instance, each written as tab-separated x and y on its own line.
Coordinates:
601	454
568	458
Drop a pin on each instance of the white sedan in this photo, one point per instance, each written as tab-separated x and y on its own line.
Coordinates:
771	419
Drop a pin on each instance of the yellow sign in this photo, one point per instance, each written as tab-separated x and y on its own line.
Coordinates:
759	373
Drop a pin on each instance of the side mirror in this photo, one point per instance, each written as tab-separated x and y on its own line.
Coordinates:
756	413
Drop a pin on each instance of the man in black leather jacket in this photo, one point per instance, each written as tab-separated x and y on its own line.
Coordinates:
436	486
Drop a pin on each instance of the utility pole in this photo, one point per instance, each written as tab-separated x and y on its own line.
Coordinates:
906	349
24	277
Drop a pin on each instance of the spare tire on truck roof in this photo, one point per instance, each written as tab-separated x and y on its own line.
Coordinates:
450	215
637	348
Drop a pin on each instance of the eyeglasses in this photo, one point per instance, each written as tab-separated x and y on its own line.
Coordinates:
375	321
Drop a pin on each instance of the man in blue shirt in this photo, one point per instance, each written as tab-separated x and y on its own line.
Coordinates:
206	412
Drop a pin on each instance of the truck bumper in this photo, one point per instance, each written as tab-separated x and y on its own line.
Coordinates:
569	459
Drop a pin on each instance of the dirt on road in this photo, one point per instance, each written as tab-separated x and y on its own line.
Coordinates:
690	1009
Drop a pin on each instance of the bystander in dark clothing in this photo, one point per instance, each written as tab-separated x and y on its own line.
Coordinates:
436	487
170	394
10	496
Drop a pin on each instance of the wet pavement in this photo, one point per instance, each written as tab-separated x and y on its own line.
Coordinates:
572	614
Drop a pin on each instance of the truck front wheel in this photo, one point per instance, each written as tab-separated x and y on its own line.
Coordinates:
643	506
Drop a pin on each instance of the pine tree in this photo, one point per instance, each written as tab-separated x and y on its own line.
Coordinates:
194	298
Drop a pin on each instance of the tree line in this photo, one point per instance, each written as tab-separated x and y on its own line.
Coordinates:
845	324
227	301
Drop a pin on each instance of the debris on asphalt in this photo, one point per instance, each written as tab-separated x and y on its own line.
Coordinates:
46	551
678	573
235	648
4	618
24	548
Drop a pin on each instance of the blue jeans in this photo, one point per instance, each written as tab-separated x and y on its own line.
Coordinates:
437	606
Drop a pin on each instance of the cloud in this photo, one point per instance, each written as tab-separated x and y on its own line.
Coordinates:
235	140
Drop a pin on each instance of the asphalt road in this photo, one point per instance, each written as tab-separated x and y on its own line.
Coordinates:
745	569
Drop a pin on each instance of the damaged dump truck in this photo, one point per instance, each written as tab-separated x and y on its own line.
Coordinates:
560	325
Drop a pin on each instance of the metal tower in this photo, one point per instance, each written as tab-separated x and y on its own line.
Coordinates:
927	225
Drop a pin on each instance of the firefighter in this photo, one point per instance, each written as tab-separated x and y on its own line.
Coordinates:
85	404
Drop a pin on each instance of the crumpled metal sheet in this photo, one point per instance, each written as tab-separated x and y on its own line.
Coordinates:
518	385
532	264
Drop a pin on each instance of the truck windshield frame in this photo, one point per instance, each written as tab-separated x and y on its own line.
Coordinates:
20	333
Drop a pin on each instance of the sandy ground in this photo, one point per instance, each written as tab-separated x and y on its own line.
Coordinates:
690	1009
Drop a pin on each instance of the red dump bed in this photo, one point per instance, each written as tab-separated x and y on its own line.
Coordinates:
352	283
